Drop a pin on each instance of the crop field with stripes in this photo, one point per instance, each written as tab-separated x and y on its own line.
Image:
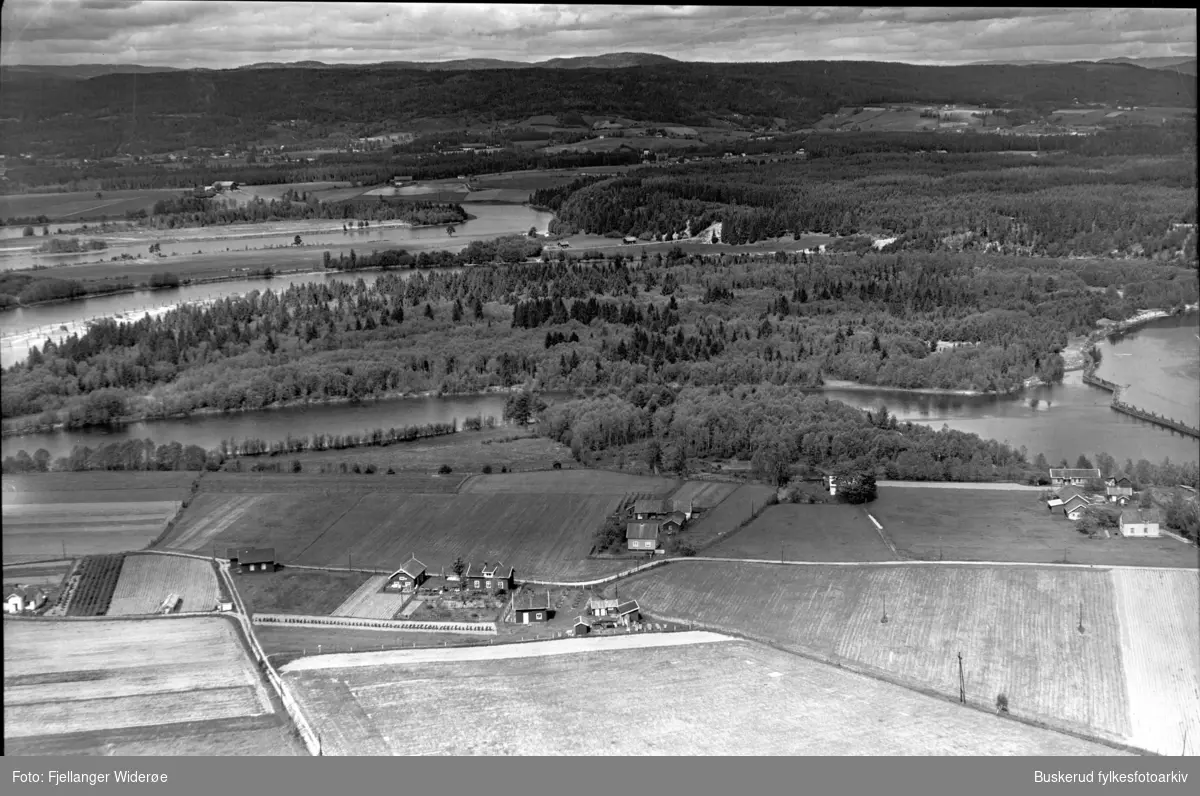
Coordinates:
370	602
146	580
1017	628
799	532
187	681
703	494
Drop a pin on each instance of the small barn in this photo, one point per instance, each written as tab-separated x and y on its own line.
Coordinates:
489	577
1140	522
1076	476
642	536
256	559
649	509
629	240
1074	507
629	612
408	577
1119	489
581	627
535	610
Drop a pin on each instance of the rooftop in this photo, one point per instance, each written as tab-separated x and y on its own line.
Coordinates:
642	530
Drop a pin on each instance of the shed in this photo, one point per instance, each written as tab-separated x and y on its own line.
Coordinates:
256	559
581	627
642	535
489	577
629	612
409	576
536	610
1053	503
1076	476
671	525
1140	522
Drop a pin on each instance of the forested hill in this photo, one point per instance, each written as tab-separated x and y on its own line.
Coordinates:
216	107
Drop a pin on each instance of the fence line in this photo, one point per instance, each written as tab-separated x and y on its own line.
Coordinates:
297	620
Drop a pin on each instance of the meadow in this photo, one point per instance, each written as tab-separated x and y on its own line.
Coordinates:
984	525
298	591
716	523
798	532
42	531
716	698
1016	628
81	205
703	494
146	580
158	686
574	482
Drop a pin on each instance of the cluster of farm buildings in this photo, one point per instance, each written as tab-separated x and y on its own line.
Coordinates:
1077	490
651	520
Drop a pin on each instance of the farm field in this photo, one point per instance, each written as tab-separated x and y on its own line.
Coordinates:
575	482
55	530
81	205
984	525
1017	628
728	515
1160	644
298	591
90	587
466	453
725	698
162	686
178	484
284	643
798	532
146	580
46	575
704	494
544	535
250	483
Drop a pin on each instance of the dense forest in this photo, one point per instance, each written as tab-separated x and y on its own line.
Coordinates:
688	320
174	110
1064	205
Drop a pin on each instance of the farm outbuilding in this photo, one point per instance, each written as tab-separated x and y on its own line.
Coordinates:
581	627
598	606
629	612
409	576
1119	489
489	577
260	559
535	610
1074	507
1076	476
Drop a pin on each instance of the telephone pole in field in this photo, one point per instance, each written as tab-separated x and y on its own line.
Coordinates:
962	683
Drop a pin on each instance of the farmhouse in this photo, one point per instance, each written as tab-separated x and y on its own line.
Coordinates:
1139	522
1076	476
487	577
256	559
408	577
597	606
23	600
642	536
535	611
1119	489
1065	493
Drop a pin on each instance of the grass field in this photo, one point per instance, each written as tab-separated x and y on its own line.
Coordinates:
725	518
81	205
370	602
146	580
67	685
251	483
297	591
1015	627
574	482
797	532
177	483
982	525
704	494
284	643
56	530
1160	643
542	531
723	698
465	453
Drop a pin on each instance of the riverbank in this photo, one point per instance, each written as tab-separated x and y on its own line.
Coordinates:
149	417
1077	354
853	386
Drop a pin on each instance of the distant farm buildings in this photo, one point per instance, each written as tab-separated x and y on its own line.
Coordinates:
22	599
409	577
1076	476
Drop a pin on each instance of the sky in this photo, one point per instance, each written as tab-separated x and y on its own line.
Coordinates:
212	34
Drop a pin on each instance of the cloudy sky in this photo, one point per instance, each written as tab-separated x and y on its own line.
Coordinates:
227	34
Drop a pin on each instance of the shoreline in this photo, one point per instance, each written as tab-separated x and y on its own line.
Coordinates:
854	386
211	412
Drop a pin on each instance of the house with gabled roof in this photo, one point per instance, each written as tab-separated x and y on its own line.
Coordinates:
1074	507
642	536
581	627
535	609
599	606
411	575
489	577
1076	476
256	559
629	612
1119	489
1140	522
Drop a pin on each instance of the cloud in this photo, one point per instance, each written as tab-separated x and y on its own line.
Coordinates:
227	34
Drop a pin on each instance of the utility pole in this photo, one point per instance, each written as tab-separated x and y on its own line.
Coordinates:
962	683
884	620
1081	616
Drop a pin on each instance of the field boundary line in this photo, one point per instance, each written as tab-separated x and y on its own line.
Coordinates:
329	527
299	620
883	535
866	671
